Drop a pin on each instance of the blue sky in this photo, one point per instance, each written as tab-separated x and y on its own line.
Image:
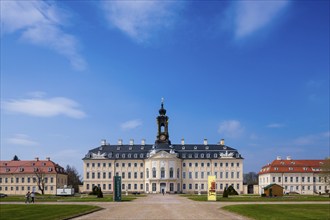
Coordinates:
255	73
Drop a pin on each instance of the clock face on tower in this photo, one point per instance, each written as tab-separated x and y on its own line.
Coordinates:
162	137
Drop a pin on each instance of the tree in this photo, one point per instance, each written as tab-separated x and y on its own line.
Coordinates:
16	158
74	178
250	178
325	173
225	193
40	180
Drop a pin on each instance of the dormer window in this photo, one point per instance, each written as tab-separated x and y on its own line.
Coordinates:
123	155
118	148
36	169
141	155
292	162
202	155
117	155
130	148
208	155
21	169
282	163
195	148
142	147
275	168
44	164
290	168
206	147
50	169
129	155
183	147
33	164
215	155
7	169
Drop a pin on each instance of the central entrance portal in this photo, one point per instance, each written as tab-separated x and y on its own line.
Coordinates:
163	188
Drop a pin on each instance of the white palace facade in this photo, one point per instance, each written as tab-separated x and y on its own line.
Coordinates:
162	166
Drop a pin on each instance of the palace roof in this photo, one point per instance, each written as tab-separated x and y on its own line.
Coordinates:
292	166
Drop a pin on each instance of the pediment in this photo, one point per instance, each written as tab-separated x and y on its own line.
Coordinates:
163	155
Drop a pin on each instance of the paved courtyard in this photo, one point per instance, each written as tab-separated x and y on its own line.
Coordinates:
157	206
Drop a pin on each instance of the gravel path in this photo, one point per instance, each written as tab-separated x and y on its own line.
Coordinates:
157	206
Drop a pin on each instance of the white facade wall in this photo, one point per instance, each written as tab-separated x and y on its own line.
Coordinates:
302	183
189	175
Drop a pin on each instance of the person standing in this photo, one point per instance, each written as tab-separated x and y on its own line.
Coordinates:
32	197
27	197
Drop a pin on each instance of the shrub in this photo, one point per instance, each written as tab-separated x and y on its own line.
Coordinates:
225	193
231	190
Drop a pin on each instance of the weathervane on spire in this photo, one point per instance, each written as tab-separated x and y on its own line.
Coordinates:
162	102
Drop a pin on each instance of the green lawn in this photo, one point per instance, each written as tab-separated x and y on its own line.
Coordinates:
84	198
240	198
43	212
282	211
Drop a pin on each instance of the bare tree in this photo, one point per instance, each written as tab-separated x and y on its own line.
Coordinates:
40	180
325	173
74	178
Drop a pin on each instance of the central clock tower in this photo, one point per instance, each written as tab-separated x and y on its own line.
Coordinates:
162	122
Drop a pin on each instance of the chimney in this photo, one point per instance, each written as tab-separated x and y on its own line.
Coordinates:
143	142
37	158
48	158
278	158
103	142
222	142
120	141
205	141
131	142
182	141
288	157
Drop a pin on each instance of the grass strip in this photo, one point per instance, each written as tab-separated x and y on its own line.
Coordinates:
282	211
44	211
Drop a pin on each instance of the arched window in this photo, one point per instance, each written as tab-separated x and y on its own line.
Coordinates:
171	172
162	172
154	172
147	173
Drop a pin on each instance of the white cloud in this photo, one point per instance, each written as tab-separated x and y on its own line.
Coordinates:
22	139
231	128
250	16
128	125
40	23
313	139
140	20
44	107
275	125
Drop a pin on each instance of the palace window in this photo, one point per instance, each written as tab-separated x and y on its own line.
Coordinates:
135	175
202	175
154	172
141	175
196	175
129	175
109	175
183	175
162	172
190	175
171	172
190	186
215	155
154	187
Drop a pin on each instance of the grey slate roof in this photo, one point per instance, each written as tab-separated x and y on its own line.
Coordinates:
187	151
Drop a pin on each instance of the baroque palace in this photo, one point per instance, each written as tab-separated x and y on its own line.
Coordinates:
163	166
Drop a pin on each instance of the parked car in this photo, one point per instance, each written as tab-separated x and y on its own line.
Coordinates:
2	195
